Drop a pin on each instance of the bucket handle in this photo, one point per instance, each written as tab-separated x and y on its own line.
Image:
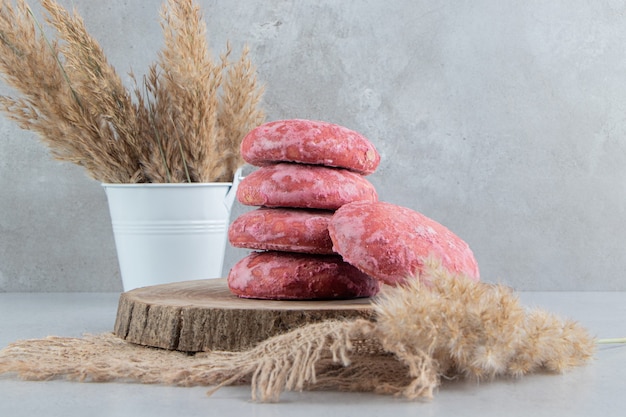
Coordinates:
230	196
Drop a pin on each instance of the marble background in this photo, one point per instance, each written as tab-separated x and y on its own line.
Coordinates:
504	121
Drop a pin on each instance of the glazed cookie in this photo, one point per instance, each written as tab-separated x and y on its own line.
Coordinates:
309	142
390	242
291	276
282	229
304	186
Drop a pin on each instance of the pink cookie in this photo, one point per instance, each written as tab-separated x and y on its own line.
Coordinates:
304	186
291	276
389	242
309	142
291	230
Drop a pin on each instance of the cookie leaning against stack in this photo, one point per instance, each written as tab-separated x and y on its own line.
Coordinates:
308	170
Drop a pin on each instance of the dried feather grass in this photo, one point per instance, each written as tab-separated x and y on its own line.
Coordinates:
436	326
183	122
239	111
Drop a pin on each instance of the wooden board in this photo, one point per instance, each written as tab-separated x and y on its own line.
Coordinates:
194	316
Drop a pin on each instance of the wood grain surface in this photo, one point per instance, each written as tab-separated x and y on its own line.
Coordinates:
203	315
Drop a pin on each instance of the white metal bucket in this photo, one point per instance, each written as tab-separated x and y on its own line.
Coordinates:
170	232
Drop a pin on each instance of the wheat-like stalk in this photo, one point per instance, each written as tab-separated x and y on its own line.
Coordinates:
186	104
169	128
479	330
612	340
239	110
48	104
106	105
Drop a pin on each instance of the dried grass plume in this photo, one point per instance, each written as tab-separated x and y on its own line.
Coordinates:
182	122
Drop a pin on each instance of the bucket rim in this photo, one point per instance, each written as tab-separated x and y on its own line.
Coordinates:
167	185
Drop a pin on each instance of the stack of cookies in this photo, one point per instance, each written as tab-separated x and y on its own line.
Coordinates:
307	170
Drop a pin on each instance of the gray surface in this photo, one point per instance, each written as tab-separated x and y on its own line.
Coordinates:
503	121
596	389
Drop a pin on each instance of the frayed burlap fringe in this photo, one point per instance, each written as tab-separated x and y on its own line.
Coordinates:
435	326
314	357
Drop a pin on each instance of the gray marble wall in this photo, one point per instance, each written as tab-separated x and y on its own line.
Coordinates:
504	121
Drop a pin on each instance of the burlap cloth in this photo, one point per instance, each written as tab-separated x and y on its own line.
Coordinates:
449	327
